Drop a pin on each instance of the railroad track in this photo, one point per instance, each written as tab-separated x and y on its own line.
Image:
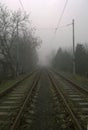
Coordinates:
49	103
26	105
73	100
42	116
4	92
58	114
13	101
81	88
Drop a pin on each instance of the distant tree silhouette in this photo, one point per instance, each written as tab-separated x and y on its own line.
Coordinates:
81	59
63	60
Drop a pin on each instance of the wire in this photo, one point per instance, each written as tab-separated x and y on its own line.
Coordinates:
46	28
63	26
21	4
61	16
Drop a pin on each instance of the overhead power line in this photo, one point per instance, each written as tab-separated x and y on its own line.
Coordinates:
48	28
61	15
63	26
21	4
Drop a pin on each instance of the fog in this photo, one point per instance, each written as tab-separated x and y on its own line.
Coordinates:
45	15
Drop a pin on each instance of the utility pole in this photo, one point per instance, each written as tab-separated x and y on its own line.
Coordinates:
74	69
17	65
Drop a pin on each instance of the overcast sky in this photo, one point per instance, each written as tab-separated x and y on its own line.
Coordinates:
45	15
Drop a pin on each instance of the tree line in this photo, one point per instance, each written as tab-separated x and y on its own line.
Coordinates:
63	60
18	42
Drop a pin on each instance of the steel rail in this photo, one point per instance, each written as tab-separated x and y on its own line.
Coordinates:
16	122
74	119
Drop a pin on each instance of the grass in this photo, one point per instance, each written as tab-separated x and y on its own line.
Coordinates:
83	81
9	82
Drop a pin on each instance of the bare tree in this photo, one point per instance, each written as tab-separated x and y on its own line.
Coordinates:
15	35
